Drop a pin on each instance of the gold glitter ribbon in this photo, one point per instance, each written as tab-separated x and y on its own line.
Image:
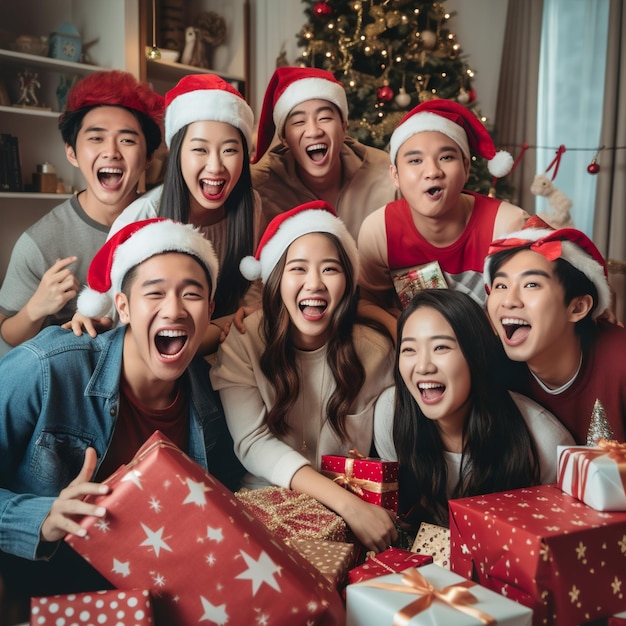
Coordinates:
456	596
581	462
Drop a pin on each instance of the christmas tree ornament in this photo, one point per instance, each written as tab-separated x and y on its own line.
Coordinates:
323	10
463	97
429	39
593	167
403	99
472	95
560	216
385	93
599	427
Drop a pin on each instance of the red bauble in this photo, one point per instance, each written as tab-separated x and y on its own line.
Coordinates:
385	94
472	95
593	167
323	10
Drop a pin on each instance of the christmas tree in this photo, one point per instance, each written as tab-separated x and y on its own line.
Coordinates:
391	55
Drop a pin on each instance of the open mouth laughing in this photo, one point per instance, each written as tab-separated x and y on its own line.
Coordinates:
431	392
313	308
515	328
317	151
170	343
212	188
110	176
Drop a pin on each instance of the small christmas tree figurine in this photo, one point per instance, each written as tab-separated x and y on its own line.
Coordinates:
599	426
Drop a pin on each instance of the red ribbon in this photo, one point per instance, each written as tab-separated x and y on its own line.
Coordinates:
547	246
581	462
556	161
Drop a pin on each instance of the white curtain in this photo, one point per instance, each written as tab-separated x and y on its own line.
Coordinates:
571	91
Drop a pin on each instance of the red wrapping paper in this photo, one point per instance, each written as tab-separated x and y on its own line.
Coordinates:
172	528
97	608
390	561
617	620
544	549
373	480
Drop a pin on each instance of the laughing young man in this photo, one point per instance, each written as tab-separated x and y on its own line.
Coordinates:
546	289
111	128
315	159
91	403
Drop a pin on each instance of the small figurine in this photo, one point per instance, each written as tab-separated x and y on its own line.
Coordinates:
29	81
560	217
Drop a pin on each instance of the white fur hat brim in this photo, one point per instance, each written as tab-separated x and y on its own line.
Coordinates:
570	252
157	237
308	89
303	223
209	105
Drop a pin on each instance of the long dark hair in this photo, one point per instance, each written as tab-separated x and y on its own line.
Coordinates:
498	450
278	361
239	211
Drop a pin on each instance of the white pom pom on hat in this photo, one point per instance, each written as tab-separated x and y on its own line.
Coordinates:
459	124
569	244
312	217
206	97
132	245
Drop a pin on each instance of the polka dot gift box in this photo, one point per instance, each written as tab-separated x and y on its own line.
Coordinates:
98	608
172	528
373	480
545	549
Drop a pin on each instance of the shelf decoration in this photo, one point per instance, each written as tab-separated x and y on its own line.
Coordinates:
207	33
154	54
65	43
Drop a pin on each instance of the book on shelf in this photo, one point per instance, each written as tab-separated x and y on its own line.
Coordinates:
10	163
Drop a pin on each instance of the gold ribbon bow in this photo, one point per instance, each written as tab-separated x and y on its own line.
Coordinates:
456	596
358	485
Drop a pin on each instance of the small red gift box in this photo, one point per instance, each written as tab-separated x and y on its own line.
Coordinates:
544	549
289	514
121	608
172	528
390	561
596	475
373	480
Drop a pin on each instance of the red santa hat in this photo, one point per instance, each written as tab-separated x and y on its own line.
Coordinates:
206	97
459	124
133	244
568	244
288	87
312	217
116	88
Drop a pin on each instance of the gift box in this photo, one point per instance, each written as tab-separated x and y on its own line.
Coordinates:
172	528
121	608
290	514
390	561
433	541
430	595
617	620
332	558
596	475
373	480
545	549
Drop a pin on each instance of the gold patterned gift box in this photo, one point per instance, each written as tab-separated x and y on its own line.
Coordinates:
545	549
433	541
331	558
290	514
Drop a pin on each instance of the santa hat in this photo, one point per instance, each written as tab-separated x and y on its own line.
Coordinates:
133	244
568	244
313	217
206	97
116	88
459	124
288	87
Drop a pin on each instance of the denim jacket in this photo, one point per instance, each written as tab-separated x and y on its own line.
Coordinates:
59	394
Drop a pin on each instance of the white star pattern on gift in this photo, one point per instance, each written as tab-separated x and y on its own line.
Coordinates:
155	505
213	613
214	534
196	493
134	476
121	568
261	571
154	539
103	525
